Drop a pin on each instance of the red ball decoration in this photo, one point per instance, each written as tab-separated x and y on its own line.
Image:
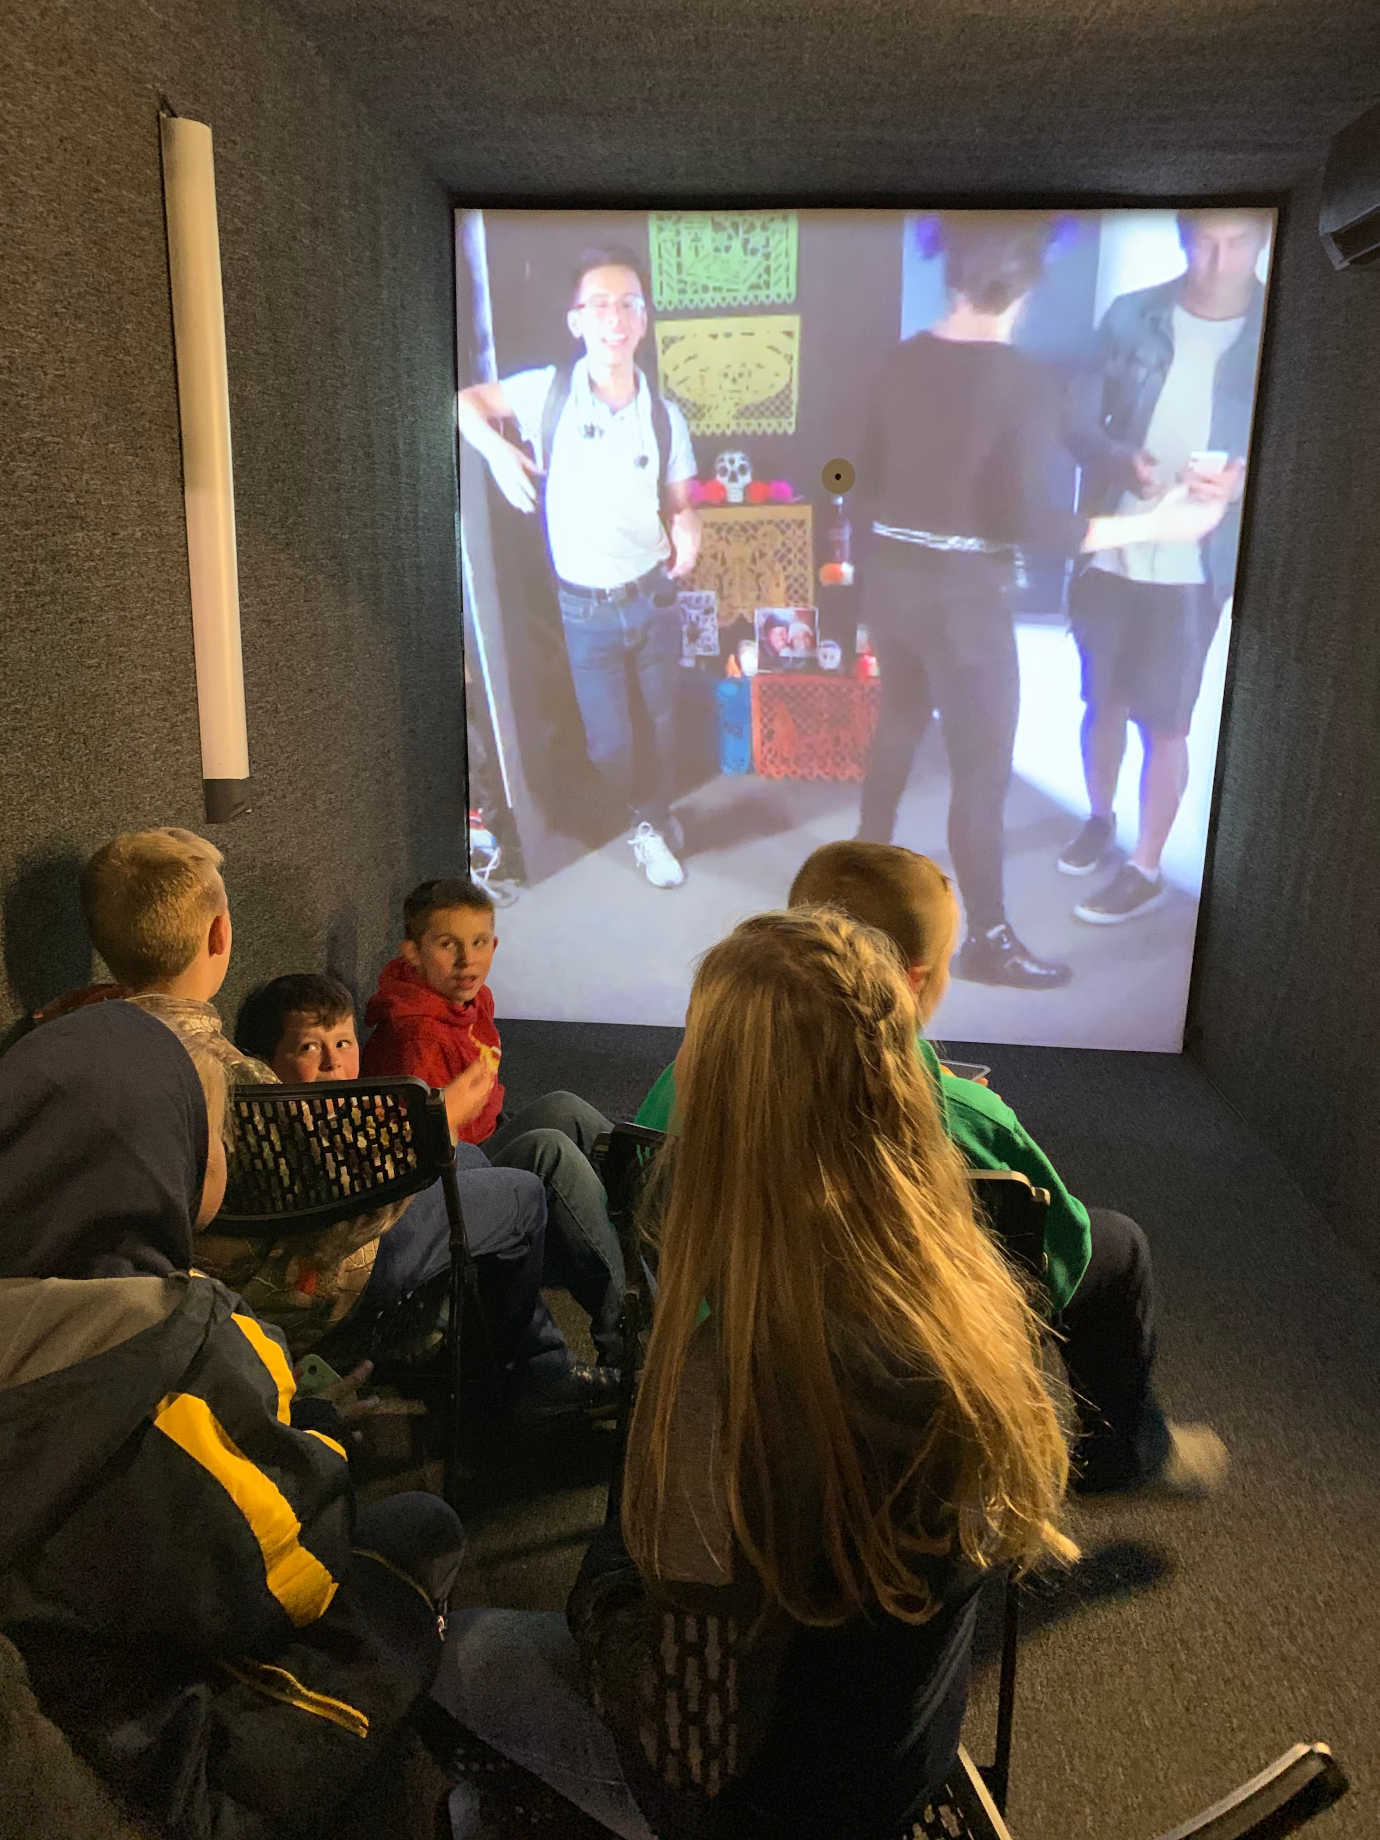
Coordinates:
758	492
713	492
696	492
781	491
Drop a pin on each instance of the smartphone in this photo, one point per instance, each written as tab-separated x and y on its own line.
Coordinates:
968	1070
315	1374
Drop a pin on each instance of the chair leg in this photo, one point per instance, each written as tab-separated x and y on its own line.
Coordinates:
627	1393
464	1293
454	1472
998	1775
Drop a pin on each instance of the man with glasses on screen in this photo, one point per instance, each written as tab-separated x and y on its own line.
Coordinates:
1166	397
613	469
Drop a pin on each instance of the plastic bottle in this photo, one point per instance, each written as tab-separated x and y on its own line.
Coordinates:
837	571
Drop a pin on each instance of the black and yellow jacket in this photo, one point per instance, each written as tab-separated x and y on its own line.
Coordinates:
177	1565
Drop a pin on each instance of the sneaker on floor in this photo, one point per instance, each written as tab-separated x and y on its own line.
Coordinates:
588	1392
1129	893
998	957
655	858
1196	1466
1084	855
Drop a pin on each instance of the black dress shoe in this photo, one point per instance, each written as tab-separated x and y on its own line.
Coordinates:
592	1392
999	957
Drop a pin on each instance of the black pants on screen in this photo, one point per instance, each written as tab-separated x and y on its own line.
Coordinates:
945	644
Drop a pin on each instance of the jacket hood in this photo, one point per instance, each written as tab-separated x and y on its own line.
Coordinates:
404	995
82	1363
103	1141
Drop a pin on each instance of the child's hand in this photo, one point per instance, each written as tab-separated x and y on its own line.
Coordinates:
468	1093
343	1394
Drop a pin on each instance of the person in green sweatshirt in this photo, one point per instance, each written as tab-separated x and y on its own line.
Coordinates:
1097	1269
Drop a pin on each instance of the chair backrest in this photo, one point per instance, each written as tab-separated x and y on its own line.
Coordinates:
1014	1208
306	1156
624	1156
1016	1211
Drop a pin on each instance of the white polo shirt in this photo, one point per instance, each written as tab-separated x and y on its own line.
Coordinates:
603	488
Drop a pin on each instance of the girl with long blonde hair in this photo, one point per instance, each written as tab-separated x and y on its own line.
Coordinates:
843	1426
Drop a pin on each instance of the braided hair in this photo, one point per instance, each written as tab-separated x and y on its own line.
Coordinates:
858	1312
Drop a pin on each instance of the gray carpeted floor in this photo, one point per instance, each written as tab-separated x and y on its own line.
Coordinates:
1193	1643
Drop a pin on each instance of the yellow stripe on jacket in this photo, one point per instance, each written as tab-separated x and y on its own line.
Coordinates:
273	1358
278	1684
297	1578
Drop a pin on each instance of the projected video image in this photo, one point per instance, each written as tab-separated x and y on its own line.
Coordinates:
786	527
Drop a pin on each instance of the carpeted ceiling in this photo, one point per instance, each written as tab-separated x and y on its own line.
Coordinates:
761	98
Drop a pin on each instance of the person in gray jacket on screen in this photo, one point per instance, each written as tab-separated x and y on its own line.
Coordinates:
1165	397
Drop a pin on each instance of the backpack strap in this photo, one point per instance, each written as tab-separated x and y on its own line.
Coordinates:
557	396
661	428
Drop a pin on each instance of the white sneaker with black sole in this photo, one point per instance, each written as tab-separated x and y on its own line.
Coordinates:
655	858
1130	893
1084	856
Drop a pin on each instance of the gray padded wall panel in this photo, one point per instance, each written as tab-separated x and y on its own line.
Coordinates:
335	250
1286	1008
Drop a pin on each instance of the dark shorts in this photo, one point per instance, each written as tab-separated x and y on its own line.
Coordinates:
1143	645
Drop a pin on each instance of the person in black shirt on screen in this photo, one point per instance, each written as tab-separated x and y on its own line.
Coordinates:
953	478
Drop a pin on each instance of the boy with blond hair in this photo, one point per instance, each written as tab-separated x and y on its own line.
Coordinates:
1097	1272
158	914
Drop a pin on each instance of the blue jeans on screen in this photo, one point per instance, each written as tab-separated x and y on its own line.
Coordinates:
610	645
513	1678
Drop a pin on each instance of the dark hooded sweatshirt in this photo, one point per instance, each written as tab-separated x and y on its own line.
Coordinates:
176	1558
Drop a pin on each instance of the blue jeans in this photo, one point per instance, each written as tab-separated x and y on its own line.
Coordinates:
552	1138
504	1212
513	1678
610	644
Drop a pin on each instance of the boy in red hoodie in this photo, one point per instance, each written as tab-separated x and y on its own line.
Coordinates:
433	1016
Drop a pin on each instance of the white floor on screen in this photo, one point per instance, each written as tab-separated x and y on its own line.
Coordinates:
596	943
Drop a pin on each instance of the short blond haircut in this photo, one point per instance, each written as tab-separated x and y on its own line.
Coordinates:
897	891
148	897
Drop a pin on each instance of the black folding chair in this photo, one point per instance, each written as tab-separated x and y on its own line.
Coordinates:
1015	1210
623	1158
1298	1785
304	1157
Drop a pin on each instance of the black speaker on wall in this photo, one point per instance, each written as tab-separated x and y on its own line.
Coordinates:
1349	220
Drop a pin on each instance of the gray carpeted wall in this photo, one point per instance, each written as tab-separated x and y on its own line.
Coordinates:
1285	1015
338	304
337	265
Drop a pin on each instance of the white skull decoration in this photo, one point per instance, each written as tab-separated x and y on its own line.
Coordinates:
734	473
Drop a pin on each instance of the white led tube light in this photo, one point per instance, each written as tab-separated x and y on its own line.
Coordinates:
189	195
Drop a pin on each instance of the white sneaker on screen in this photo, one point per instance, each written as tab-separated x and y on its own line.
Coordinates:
654	857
